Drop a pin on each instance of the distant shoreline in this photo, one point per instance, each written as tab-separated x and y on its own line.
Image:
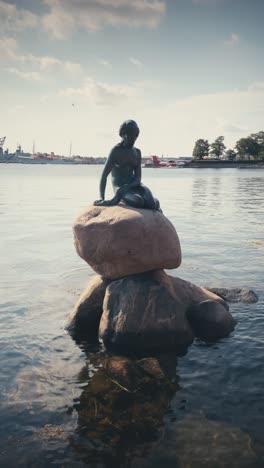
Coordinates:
27	160
224	164
196	164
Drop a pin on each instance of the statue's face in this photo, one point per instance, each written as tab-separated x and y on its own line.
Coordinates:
130	136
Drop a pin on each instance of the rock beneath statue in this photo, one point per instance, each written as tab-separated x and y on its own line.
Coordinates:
210	320
119	241
247	296
147	313
83	322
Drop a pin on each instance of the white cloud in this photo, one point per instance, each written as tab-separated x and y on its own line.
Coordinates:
8	48
101	93
65	15
16	19
29	76
232	114
226	126
9	52
256	86
105	63
135	62
233	40
46	62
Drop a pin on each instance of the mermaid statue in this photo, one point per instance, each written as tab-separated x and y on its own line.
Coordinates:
124	163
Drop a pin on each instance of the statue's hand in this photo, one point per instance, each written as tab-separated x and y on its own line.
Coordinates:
98	202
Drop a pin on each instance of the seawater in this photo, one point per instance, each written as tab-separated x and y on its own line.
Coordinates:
218	215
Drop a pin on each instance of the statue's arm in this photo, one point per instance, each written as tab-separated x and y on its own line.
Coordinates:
106	171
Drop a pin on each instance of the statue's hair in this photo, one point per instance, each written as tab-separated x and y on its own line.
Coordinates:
125	125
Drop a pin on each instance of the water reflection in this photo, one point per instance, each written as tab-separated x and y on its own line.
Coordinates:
249	194
215	197
206	193
121	410
199	193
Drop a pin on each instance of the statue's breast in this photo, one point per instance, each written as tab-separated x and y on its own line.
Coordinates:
127	158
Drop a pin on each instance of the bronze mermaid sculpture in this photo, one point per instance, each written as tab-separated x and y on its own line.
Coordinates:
124	163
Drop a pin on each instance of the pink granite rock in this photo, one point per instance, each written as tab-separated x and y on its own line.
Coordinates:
119	241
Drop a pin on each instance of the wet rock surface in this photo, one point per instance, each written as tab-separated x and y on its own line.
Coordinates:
148	313
83	322
244	295
141	315
210	320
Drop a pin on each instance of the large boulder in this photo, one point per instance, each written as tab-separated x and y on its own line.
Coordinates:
83	322
210	320
118	241
147	313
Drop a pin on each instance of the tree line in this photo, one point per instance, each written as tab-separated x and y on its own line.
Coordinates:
251	147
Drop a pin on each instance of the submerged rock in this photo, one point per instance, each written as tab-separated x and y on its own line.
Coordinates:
123	406
147	313
247	296
210	320
118	241
85	317
200	443
51	433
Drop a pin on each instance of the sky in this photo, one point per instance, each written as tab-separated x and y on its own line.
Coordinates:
73	70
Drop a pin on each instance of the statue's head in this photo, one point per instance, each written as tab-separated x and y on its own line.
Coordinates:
129	132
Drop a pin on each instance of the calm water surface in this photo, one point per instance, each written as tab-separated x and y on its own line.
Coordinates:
219	217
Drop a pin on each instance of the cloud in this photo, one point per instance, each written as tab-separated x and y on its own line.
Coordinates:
105	63
8	48
46	62
228	127
28	76
232	114
135	62
9	52
66	16
16	19
233	40
256	86
102	93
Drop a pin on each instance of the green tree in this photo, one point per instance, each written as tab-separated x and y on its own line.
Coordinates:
247	147
218	147
259	138
261	155
201	149
230	155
